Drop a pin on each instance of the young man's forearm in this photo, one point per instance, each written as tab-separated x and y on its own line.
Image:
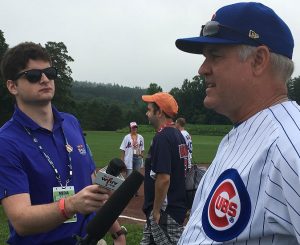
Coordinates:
162	183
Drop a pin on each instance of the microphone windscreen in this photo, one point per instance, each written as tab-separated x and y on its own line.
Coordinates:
110	211
115	167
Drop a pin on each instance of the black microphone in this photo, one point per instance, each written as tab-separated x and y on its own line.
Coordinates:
109	177
115	167
110	211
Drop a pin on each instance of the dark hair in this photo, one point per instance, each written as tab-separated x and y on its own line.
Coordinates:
115	167
156	108
181	121
16	59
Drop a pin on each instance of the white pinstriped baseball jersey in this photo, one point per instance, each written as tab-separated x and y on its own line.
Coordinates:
251	192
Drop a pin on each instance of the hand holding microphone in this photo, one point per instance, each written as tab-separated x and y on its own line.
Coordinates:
107	215
110	177
92	197
86	201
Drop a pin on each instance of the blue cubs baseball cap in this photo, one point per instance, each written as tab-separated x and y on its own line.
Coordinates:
248	23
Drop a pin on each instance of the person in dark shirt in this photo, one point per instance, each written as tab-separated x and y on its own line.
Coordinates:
165	166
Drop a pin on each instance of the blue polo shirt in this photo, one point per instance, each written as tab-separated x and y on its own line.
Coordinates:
24	169
168	155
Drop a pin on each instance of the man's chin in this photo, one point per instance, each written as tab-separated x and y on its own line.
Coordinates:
43	102
208	103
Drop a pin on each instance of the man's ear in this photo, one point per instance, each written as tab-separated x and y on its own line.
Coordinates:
261	59
158	112
12	87
161	113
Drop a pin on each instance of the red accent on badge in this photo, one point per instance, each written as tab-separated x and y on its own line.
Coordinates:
183	151
224	206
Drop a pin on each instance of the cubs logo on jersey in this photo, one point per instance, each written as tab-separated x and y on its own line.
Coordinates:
228	207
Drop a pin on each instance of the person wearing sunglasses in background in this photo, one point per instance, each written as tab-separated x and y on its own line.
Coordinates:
250	193
132	149
46	172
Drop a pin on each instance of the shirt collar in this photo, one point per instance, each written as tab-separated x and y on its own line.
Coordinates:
27	122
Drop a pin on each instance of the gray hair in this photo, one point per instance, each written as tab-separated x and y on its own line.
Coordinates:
282	65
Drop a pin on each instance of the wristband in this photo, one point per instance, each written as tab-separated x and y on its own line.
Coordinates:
61	206
122	231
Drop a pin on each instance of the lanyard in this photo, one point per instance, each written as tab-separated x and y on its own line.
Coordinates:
41	149
134	141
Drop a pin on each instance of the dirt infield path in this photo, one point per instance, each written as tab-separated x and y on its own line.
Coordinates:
133	213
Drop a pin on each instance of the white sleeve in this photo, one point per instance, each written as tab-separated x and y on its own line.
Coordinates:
123	144
143	143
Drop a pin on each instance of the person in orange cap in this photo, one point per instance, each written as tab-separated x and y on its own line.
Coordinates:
165	166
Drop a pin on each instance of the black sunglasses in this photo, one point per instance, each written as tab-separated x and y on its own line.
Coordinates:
213	28
35	75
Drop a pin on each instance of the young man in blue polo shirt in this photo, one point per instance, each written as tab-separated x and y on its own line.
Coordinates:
46	172
165	166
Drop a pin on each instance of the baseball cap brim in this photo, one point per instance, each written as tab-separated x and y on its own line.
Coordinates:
195	44
165	101
133	125
148	98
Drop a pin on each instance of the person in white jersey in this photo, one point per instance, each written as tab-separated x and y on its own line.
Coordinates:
180	124
250	194
132	149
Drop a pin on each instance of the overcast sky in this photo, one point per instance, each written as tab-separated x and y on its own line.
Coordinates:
128	42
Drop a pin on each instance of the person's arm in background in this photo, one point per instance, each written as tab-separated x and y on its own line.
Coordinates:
142	147
162	183
122	155
122	148
113	229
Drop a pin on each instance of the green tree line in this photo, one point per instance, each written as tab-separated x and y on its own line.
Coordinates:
101	106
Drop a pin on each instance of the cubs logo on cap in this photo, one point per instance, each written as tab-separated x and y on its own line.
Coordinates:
227	210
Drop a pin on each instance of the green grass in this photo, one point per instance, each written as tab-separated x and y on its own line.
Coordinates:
133	237
205	148
3	227
105	146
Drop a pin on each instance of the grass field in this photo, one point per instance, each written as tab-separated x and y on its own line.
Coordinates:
105	146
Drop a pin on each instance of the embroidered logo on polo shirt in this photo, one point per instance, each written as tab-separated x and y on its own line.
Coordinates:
227	209
81	149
